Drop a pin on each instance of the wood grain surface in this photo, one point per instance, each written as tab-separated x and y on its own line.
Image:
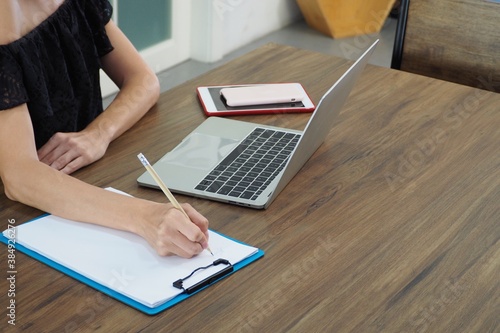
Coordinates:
391	226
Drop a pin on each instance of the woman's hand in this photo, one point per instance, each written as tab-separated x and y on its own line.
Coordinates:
169	232
69	152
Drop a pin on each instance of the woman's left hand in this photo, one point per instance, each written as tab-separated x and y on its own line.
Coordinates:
68	152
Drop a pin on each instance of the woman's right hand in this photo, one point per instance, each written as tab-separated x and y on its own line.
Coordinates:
169	232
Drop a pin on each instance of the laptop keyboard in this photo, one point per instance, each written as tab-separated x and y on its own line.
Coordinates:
252	165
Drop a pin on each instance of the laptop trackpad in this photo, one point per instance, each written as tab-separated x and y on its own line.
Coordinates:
200	151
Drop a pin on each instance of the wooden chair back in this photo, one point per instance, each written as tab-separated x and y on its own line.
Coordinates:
452	40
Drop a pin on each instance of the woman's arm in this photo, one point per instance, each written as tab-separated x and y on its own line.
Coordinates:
139	91
33	183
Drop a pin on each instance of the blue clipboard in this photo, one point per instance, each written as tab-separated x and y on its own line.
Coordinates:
118	296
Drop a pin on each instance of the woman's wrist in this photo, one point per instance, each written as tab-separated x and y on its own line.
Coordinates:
144	218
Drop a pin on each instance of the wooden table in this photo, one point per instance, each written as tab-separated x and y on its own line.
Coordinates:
392	225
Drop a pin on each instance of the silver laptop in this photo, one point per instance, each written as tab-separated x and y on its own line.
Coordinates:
245	163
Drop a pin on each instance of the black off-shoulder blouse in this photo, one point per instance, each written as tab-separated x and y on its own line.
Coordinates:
55	68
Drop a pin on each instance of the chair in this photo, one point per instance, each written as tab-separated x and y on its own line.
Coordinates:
452	40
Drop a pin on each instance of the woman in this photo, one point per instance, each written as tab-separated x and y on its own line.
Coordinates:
52	122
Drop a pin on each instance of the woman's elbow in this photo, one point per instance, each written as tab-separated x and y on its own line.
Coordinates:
155	89
152	85
17	179
9	187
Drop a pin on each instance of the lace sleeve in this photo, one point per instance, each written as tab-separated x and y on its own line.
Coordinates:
105	10
99	13
12	90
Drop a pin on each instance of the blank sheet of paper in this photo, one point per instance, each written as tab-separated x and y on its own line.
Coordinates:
123	261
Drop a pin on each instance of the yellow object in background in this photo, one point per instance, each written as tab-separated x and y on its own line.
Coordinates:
346	18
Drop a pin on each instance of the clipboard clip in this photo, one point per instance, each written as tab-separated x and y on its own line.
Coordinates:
207	281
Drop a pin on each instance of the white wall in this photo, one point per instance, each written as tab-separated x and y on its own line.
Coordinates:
249	20
222	26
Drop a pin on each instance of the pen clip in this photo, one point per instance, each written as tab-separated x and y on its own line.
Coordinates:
207	281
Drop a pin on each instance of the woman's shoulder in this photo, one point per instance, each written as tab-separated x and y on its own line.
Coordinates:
9	23
19	18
